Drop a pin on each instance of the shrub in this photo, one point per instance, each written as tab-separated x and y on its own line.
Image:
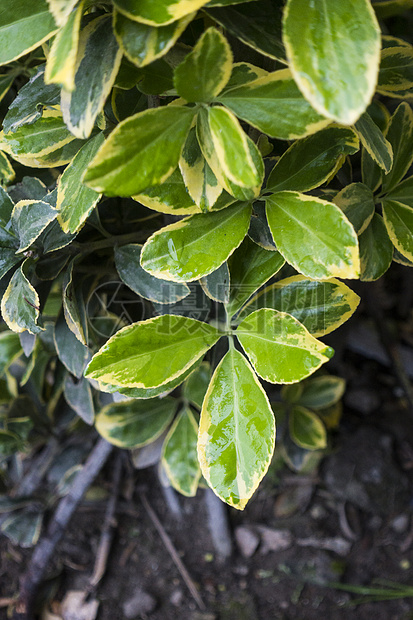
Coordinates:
207	174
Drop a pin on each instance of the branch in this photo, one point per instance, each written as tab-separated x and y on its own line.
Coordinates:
45	548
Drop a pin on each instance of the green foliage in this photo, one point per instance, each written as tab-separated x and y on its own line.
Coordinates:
208	173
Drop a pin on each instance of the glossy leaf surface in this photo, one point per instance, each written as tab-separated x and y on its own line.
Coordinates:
179	454
320	306
398	219
142	43
317	37
205	71
61	62
20	303
171	196
280	348
196	246
141	151
74	199
274	105
23	26
97	63
374	142
201	183
153	352
321	392
236	432
311	161
306	429
158	13
29	219
357	203
313	235
134	423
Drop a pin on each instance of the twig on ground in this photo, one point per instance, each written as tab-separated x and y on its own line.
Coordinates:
218	524
46	546
172	551
108	528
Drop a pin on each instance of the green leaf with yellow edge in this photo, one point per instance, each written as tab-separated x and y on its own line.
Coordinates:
146	393
216	284
358	204
250	266
232	149
23	27
396	72
61	10
400	135
205	71
47	143
317	37
179	454
257	24
142	43
61	61
29	219
97	63
201	183
32	99
128	265
75	200
78	395
398	219
10	349
280	348
376	250
208	148
274	105
20	304
320	306
313	235
171	196
142	151
7	173
159	13
374	142
236	431
194	247
403	192
306	429
321	392
196	385
310	162
150	353
133	423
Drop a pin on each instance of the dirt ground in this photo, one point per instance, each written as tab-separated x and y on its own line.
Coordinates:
347	522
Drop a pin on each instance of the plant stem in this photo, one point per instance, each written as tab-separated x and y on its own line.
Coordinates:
102	244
